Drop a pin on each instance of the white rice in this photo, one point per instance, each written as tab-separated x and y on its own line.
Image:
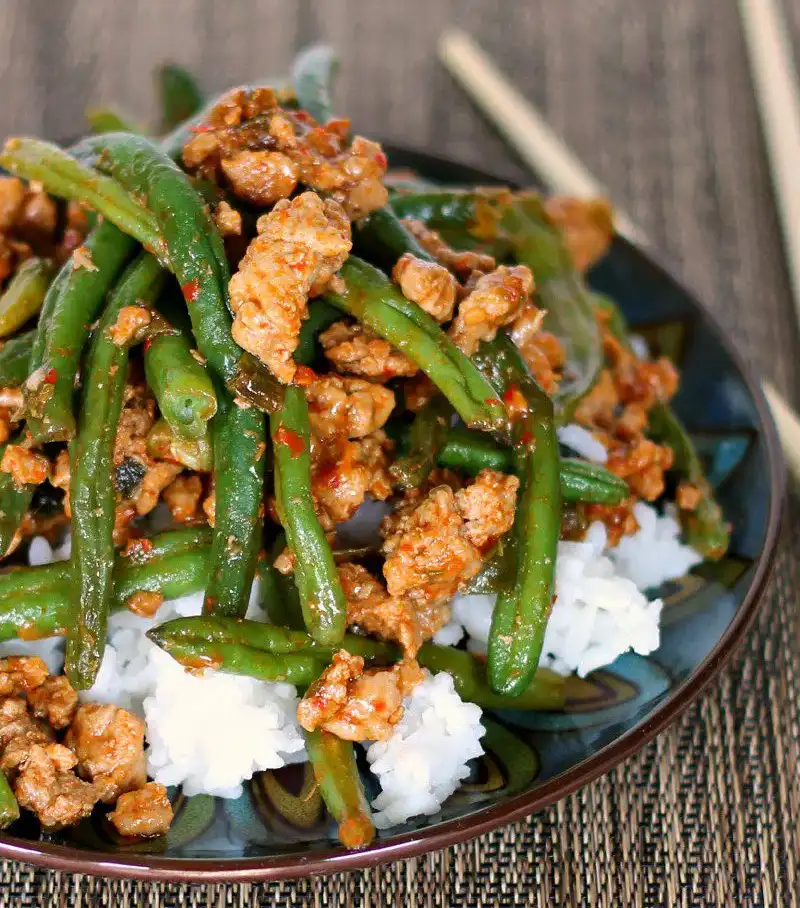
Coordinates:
582	442
600	609
425	759
655	553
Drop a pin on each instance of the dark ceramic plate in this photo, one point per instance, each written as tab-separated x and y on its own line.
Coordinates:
278	827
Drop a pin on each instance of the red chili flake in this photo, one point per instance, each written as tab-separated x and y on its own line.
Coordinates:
200	127
303	116
148	344
492	401
381	160
515	402
291	439
191	290
51	376
304	376
526	438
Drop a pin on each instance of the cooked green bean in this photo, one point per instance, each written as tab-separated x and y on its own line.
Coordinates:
194	252
181	385
239	460
370	297
24	295
35	602
705	527
381	238
9	808
180	96
313	71
62	175
334	763
470	452
321	315
72	303
15	358
108	119
193	453
427	435
521	613
244	642
92	495
321	595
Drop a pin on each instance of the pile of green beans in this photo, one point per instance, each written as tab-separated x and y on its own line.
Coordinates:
151	223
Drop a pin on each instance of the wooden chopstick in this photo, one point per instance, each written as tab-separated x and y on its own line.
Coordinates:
531	137
778	96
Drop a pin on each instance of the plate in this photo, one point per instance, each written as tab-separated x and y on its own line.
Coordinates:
278	827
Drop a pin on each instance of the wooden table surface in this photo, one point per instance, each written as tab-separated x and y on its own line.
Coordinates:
656	98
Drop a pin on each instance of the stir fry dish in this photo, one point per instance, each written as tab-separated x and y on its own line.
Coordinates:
306	459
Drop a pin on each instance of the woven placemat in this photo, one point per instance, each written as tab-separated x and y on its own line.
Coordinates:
656	97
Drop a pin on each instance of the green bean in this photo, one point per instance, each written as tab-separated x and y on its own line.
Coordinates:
92	495
35	602
15	358
520	616
239	459
203	639
181	385
14	501
470	452
24	295
427	435
381	238
193	453
108	119
590	483
705	527
71	305
321	595
9	808
320	316
312	73
334	763
372	299
194	252
62	175
180	96
280	598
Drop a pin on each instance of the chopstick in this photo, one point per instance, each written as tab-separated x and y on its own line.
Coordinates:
778	97
528	133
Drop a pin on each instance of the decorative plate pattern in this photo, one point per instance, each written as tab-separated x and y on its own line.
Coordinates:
279	826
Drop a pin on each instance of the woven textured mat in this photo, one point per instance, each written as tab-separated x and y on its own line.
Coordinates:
656	97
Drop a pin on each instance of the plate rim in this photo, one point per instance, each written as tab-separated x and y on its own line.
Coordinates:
452	832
